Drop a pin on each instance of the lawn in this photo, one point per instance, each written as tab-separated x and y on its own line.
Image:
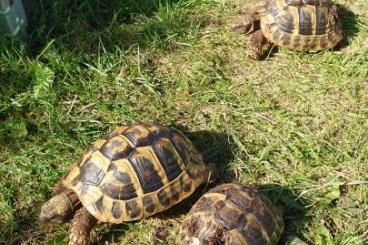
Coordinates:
294	123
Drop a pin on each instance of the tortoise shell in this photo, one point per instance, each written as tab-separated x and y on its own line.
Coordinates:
232	214
305	25
135	172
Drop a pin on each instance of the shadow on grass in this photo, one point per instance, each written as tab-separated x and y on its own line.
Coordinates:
217	148
91	26
349	24
294	208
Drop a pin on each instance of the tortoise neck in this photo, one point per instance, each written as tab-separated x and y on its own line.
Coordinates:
73	199
71	196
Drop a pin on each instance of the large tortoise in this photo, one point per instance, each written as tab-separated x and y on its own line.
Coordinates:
232	214
304	25
137	171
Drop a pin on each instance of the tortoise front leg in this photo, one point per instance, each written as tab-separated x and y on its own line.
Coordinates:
257	42
80	228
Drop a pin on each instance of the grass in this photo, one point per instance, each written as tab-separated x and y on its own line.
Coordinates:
295	123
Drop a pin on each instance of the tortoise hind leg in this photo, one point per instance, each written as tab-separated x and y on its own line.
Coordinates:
257	42
81	226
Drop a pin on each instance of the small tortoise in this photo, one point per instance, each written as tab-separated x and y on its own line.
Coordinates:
137	171
232	214
304	25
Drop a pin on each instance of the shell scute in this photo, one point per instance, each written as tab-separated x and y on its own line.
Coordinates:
242	221
273	9
323	42
139	135
116	148
116	210
182	146
116	132
252	234
297	3
322	21
132	209
204	204
149	205
119	192
145	167
169	158
120	177
185	183
227	217
267	224
242	201
99	204
236	238
286	22
175	190
94	169
163	197
306	17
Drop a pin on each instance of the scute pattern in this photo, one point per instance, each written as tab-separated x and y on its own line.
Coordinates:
116	210
306	17
132	209
91	173
286	22
149	205
232	214
144	166
138	135
291	23
135	172
163	197
116	148
168	157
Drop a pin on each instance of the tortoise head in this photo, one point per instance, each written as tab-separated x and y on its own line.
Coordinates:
244	25
57	210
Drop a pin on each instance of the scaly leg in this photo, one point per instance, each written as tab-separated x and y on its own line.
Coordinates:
80	228
257	42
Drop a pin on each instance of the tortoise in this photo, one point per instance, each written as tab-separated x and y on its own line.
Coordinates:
136	171
232	214
303	25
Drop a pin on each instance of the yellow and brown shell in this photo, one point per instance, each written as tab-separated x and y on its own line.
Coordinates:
232	214
305	25
135	172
